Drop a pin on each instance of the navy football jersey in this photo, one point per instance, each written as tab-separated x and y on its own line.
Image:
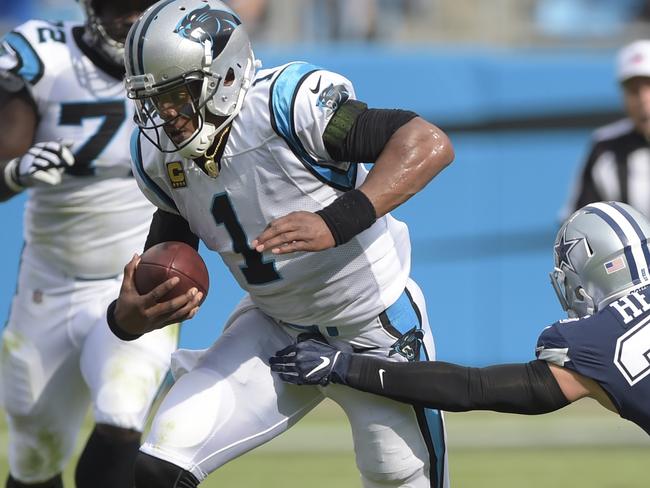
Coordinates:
611	347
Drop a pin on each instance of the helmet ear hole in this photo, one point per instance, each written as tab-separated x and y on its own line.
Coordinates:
230	77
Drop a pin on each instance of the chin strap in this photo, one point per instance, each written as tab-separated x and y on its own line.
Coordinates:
201	142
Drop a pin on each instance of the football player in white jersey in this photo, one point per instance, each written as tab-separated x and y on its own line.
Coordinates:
65	125
264	168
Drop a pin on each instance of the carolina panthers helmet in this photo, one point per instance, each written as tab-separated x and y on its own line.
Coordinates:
105	36
186	59
601	252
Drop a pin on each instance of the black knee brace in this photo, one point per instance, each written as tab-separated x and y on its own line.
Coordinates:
151	472
108	459
55	482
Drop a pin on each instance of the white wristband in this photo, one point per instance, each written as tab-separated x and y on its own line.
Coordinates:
10	167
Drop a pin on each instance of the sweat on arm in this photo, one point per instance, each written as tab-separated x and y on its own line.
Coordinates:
357	134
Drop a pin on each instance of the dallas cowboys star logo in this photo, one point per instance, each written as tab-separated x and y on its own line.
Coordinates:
563	249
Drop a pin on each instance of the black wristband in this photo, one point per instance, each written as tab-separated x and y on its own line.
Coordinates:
116	329
348	215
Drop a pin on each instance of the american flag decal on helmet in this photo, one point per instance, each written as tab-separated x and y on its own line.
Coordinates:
614	265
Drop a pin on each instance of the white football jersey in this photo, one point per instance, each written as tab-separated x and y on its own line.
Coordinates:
274	163
90	225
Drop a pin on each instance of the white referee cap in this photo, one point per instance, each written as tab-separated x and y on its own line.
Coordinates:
633	60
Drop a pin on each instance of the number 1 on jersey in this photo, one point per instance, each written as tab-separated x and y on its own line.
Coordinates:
256	270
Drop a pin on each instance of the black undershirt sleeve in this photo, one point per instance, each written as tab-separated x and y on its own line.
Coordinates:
167	226
528	388
358	134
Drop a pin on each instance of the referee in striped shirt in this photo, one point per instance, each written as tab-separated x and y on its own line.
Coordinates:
618	165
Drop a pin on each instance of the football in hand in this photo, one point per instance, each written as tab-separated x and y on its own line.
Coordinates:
166	260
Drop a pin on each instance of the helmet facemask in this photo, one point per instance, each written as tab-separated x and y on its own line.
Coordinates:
177	108
571	294
570	254
108	23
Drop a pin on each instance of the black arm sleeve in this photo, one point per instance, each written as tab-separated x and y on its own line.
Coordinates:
358	134
166	226
528	388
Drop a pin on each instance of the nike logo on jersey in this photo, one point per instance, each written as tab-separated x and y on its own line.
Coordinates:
362	349
381	377
325	362
317	89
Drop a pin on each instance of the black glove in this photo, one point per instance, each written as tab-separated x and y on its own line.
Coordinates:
311	362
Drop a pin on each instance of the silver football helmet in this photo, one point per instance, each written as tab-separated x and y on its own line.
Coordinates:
106	32
601	252
187	59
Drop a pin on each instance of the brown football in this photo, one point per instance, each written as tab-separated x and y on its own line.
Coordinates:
169	259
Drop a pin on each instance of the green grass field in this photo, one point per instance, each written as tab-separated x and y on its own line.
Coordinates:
581	446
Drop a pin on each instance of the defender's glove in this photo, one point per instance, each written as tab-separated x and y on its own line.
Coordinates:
311	362
42	165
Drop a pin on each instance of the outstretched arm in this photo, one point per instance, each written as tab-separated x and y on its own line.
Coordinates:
528	388
575	386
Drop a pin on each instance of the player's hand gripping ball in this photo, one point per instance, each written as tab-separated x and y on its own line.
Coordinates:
166	260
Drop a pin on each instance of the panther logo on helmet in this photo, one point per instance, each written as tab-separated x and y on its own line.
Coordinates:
206	24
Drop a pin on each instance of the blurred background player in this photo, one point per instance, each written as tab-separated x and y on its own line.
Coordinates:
268	175
64	138
618	164
601	277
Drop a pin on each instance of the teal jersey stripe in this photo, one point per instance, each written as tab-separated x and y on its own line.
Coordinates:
30	66
283	96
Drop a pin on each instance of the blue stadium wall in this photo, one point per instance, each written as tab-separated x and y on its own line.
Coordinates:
483	230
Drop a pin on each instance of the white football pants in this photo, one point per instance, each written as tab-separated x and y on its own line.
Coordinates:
59	356
226	400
